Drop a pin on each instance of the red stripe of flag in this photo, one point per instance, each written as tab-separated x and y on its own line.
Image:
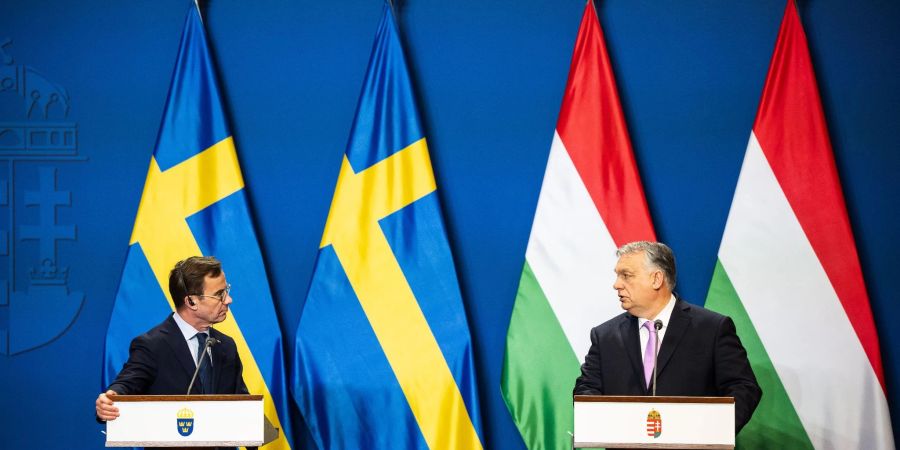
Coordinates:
592	127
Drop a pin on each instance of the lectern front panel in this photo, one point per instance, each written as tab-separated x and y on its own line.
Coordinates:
654	422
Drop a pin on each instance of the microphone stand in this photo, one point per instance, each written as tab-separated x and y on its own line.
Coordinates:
657	325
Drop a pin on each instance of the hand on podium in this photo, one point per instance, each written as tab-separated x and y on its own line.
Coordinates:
106	410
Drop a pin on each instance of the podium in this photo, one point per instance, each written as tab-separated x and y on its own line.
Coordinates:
189	421
653	422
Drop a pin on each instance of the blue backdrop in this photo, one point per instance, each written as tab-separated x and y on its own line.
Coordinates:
489	77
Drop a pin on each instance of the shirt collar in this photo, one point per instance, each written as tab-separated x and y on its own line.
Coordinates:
663	315
187	330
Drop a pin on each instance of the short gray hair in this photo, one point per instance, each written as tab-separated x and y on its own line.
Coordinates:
657	255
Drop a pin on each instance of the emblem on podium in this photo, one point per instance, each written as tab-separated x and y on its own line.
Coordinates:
185	422
654	424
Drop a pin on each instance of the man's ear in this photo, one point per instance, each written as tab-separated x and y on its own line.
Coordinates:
187	300
657	279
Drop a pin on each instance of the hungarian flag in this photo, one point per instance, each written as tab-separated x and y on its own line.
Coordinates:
591	202
789	275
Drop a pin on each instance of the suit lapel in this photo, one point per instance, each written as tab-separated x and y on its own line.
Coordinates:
678	324
179	346
628	332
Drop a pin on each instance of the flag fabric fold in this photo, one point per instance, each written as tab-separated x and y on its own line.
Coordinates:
194	203
383	355
591	202
788	273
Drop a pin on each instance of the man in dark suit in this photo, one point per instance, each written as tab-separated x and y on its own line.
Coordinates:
163	360
700	353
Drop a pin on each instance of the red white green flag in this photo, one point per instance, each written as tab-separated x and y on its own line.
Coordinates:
591	202
789	275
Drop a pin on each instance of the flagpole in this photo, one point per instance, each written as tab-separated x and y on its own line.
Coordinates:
394	13
199	13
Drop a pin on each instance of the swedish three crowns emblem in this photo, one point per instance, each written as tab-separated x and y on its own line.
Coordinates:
185	422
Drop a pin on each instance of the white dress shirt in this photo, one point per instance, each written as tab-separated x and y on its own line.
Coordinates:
190	336
664	316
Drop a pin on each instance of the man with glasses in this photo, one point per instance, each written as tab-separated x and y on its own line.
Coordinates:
163	360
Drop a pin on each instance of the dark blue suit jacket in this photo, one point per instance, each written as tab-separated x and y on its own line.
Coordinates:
160	363
700	355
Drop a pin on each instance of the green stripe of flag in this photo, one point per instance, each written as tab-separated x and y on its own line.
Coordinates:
539	370
775	424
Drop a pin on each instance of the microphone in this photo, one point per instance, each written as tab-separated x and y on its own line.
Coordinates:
210	341
657	325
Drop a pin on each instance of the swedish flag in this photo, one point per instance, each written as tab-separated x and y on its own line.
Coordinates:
383	353
193	203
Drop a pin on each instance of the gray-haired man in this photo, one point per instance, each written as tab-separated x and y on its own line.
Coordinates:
700	353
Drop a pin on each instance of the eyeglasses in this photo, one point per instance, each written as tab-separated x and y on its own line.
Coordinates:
221	296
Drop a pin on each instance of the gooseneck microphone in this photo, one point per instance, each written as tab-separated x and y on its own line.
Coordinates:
657	325
210	341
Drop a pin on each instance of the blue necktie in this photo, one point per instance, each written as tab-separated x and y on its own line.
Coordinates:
205	374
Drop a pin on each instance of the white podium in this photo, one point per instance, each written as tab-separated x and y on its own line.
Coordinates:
187	421
654	422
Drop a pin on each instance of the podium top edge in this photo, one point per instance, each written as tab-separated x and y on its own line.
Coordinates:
650	399
187	398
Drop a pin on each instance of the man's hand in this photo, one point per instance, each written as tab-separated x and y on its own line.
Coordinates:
106	410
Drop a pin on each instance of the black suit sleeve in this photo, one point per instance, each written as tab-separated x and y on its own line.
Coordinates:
240	387
228	360
734	377
591	380
139	371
